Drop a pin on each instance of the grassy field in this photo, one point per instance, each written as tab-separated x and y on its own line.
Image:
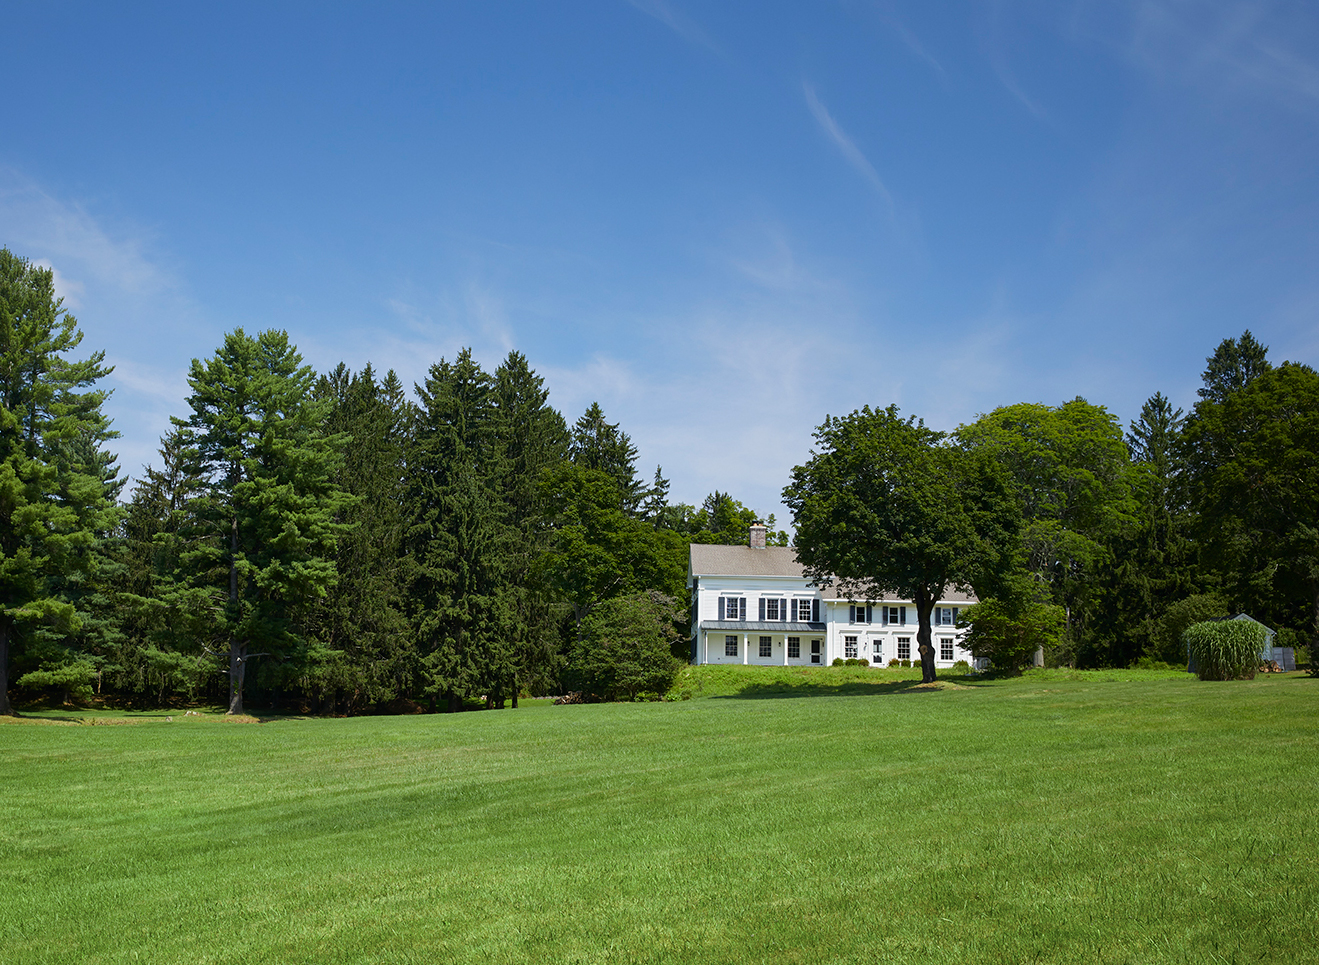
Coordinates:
837	816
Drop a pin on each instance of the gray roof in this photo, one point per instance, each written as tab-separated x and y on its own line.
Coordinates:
712	560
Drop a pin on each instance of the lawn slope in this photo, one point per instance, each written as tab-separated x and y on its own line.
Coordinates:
1044	819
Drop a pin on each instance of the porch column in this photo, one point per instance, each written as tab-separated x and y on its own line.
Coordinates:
746	646
785	650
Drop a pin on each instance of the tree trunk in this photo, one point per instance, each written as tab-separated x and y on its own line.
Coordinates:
4	665
515	698
924	641
237	671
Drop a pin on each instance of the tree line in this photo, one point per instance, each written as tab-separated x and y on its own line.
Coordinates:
336	543
1097	545
327	541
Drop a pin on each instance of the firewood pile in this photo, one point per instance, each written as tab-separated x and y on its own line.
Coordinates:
1270	666
572	698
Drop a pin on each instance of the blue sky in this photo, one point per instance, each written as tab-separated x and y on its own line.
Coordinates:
721	221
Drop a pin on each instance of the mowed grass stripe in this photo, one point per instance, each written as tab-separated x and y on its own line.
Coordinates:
1069	819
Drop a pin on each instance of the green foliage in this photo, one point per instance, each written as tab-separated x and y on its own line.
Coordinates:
1233	366
262	547
623	648
72	679
1009	633
57	483
1071	471
1254	465
1169	647
1225	649
886	505
723	520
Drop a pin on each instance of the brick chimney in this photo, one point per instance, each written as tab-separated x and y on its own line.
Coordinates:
757	536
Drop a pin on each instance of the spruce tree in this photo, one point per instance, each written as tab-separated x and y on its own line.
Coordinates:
363	641
459	536
54	497
272	510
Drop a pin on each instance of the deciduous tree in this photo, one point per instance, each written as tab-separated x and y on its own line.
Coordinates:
887	505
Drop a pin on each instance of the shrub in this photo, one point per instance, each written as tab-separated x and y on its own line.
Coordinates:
71	681
906	663
1149	663
961	667
1167	644
895	662
623	650
1225	649
838	661
1009	632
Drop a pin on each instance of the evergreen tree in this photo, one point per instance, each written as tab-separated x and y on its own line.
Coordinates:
460	536
602	446
272	511
362	652
533	439
1233	366
55	499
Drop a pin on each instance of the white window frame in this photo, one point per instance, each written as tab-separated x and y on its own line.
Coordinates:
904	648
794	648
772	609
945	648
849	648
730	645
766	648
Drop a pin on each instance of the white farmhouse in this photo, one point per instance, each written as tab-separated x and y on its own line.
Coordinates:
754	605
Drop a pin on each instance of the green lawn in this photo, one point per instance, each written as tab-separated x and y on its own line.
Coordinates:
1056	817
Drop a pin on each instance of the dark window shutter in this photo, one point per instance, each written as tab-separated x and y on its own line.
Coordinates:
902	615
954	616
815	611
762	608
742	608
783	611
721	608
870	614
883	615
851	613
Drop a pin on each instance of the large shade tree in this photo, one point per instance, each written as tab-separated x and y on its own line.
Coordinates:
54	496
886	504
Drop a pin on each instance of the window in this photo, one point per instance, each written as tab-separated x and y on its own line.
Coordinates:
858	614
794	648
730	646
877	651
771	609
945	616
732	608
895	616
904	648
849	648
815	651
764	646
801	611
945	648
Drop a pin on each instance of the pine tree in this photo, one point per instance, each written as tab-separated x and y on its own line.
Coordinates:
272	510
54	497
533	439
459	536
1233	366
600	445
364	644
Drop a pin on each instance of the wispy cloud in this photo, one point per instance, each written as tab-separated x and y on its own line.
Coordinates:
845	144
65	236
1248	45
677	21
994	45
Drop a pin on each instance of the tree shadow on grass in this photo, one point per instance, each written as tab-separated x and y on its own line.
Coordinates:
851	688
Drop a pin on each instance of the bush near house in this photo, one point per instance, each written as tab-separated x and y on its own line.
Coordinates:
624	648
1225	649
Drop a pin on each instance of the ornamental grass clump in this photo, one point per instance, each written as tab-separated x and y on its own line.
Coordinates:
1225	649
